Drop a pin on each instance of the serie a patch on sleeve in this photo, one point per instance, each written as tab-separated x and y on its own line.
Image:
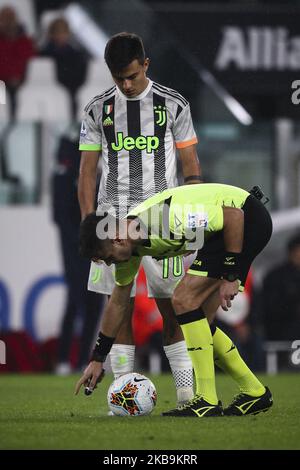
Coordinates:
197	220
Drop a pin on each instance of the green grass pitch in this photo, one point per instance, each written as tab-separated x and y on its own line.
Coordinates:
41	412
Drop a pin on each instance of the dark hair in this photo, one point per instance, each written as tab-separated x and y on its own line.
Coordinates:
56	24
90	245
122	49
293	242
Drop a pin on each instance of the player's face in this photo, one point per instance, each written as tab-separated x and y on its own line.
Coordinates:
132	80
117	252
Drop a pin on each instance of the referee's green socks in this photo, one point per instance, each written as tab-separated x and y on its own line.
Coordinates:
198	338
229	360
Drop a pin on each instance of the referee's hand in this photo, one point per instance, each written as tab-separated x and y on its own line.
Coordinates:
92	375
228	290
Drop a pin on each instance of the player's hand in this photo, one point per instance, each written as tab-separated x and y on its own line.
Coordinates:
228	290
92	375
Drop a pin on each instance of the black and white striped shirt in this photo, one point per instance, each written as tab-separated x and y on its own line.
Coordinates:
138	138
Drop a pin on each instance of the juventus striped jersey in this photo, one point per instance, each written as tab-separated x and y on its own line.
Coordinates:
138	138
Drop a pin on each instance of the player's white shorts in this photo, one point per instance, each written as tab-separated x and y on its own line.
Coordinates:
162	276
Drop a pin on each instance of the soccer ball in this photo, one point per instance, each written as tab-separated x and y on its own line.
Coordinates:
131	395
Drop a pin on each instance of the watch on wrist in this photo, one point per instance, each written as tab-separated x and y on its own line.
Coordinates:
231	277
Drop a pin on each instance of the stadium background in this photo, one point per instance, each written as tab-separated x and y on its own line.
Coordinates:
236	62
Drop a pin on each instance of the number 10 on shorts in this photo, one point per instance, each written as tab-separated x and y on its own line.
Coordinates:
176	265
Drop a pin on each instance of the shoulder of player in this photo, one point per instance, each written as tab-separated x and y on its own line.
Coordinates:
170	94
100	98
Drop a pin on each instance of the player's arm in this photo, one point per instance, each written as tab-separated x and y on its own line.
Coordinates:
112	318
116	309
185	142
233	229
87	181
190	165
233	232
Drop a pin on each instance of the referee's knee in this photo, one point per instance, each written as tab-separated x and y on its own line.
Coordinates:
182	302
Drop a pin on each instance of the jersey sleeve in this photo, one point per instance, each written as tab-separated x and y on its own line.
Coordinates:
90	134
183	129
215	218
126	271
208	217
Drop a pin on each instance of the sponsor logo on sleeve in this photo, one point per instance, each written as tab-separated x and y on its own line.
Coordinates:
83	130
197	220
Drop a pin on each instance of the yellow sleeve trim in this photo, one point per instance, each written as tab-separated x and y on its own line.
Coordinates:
90	147
197	273
123	284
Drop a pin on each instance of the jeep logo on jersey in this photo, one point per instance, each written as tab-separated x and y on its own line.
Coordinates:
149	143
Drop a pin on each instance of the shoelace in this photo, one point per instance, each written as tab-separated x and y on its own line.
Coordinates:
190	402
237	397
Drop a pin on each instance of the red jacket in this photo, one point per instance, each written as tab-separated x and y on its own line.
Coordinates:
146	317
14	55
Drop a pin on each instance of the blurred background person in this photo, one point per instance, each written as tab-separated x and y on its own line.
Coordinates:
70	58
81	304
16	48
281	296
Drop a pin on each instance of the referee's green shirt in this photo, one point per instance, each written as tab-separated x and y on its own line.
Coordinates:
171	217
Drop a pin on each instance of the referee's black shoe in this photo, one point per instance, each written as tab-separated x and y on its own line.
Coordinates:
244	404
196	408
